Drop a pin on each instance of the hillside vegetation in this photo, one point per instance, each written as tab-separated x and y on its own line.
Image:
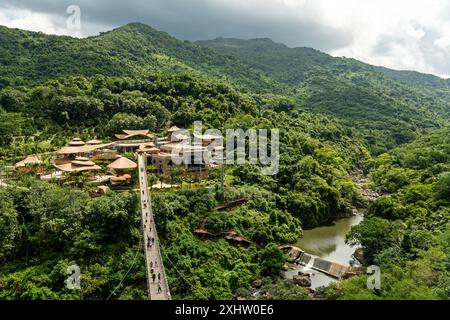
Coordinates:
407	231
336	117
387	107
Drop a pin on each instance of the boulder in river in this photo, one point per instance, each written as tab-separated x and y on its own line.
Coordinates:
302	273
303	281
311	291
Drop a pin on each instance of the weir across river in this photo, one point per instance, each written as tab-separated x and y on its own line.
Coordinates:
332	269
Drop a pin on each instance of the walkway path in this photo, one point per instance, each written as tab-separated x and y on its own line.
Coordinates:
158	288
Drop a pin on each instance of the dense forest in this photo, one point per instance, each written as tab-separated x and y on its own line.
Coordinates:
336	117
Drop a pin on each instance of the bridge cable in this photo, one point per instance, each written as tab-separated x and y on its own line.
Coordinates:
126	274
182	275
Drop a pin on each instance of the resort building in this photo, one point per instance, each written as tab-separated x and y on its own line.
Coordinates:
78	156
188	157
24	165
78	148
130	140
78	165
123	164
122	168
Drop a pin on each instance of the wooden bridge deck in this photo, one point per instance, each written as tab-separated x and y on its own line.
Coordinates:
158	288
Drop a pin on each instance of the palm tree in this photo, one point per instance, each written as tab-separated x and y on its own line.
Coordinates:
161	177
152	180
151	168
174	173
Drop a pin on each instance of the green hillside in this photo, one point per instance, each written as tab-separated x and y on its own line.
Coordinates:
387	107
289	64
339	119
367	97
407	231
29	57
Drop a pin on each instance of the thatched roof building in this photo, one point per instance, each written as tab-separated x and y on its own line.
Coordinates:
127	134
30	160
148	147
78	165
126	178
76	142
77	147
93	142
173	129
123	163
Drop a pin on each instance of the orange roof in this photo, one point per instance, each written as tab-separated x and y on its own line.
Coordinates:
123	178
202	230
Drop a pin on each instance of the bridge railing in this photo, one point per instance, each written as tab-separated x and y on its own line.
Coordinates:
142	161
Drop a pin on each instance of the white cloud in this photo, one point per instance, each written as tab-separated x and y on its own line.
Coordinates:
48	23
443	43
399	34
35	21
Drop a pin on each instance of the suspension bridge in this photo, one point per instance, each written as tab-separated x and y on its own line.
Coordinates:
158	288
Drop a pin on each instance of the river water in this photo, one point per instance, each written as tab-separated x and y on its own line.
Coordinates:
327	242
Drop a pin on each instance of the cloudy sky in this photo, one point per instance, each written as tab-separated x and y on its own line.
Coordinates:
399	34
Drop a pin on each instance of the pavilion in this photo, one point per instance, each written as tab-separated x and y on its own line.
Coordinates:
122	167
123	164
27	162
78	165
76	148
93	142
130	140
173	129
148	148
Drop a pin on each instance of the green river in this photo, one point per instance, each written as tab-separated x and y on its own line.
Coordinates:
327	242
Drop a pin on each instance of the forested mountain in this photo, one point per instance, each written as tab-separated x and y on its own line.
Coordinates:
290	64
29	57
367	97
387	107
336	116
407	231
